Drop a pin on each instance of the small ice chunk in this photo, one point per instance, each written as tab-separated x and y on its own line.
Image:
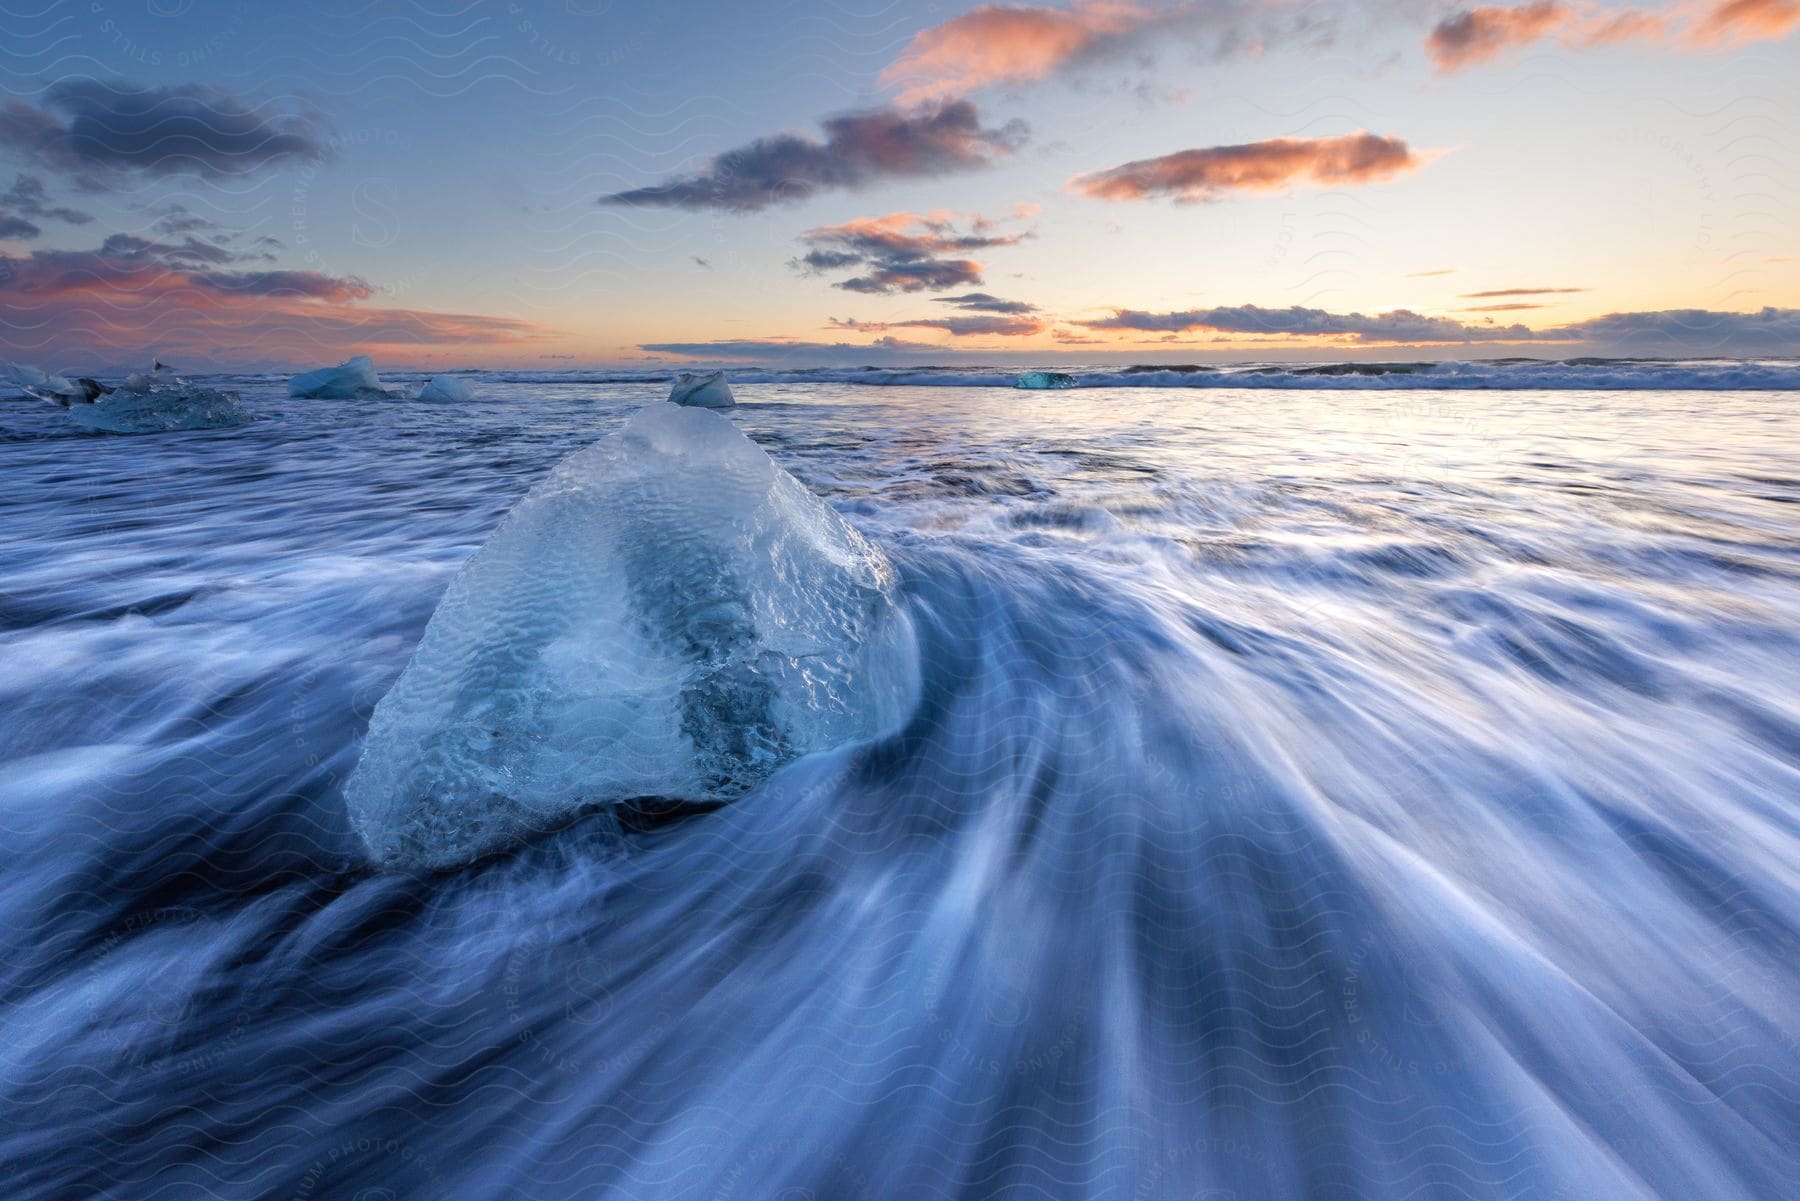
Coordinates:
42	385
160	404
448	388
702	390
353	379
1045	379
667	614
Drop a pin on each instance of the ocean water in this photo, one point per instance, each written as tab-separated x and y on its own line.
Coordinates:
1313	792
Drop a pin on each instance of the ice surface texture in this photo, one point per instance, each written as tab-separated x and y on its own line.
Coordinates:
353	379
1045	379
35	382
450	389
702	391
157	404
668	614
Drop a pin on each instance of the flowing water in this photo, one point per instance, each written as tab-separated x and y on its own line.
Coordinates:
1321	795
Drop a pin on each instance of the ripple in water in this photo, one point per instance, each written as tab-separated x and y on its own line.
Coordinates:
1307	795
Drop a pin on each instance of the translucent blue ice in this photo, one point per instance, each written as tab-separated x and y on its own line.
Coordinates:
710	390
669	614
1045	379
353	379
448	389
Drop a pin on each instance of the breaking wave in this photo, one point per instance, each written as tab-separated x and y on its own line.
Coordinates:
1356	802
1605	375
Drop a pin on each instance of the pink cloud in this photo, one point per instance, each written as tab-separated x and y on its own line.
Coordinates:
1001	43
1479	34
1205	174
130	296
1484	33
956	326
1735	21
903	252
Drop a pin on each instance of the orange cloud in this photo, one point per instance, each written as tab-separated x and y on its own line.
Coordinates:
1482	34
914	234
1000	43
1205	174
903	252
1736	21
1479	34
957	326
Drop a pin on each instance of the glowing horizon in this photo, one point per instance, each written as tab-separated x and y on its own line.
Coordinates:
1103	182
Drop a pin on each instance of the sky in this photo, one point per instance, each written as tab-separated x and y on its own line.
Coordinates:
596	182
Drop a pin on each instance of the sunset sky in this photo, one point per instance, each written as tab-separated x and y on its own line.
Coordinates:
601	182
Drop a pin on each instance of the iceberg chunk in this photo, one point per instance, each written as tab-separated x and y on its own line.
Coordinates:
667	615
159	403
450	389
706	390
353	379
42	385
1045	379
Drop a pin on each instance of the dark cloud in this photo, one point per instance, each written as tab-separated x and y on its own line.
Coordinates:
189	251
28	199
310	285
1206	174
26	203
1400	325
1693	332
981	302
97	129
902	252
173	218
928	275
1501	308
818	261
1675	332
222	247
857	149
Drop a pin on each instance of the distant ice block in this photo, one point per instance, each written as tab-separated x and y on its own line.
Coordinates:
159	403
667	614
1045	379
42	385
353	379
453	389
702	390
